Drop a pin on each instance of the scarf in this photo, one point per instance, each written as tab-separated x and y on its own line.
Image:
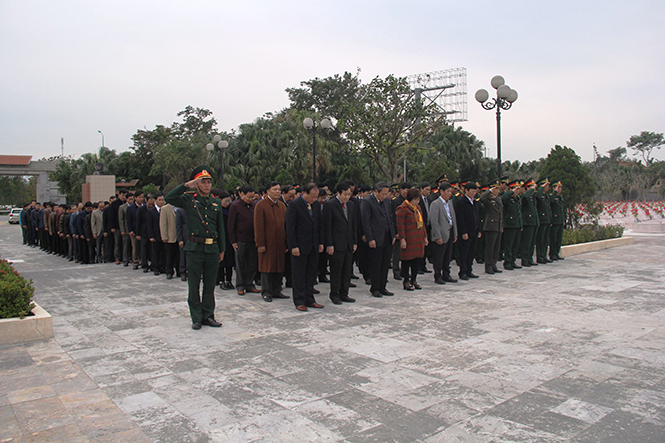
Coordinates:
417	214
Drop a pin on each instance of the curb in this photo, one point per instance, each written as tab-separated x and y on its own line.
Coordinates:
35	327
582	248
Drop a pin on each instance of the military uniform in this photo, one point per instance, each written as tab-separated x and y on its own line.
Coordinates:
529	225
556	230
492	227
512	222
205	241
545	220
480	245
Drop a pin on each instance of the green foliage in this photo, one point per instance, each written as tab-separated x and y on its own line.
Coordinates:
564	164
645	143
150	188
591	232
15	293
16	190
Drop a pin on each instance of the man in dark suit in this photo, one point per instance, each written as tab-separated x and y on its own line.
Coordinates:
155	236
425	191
304	231
467	211
340	229
142	222
380	236
181	231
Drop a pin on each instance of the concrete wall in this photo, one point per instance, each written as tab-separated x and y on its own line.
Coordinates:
101	187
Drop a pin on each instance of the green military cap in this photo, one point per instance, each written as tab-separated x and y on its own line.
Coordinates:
529	182
505	180
484	188
496	183
454	184
557	183
443	178
200	172
515	184
543	181
394	186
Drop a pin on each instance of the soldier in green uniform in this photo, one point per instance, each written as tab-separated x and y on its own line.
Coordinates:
545	220
529	223
480	246
512	223
492	225
205	243
556	230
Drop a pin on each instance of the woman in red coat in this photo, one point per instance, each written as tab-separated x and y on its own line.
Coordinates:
413	238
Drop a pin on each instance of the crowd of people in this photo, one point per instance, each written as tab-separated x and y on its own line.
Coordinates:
298	236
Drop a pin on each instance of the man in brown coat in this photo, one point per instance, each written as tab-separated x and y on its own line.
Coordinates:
270	239
169	235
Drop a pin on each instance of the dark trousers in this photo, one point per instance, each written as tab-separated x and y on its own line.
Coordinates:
146	251
271	283
341	268
202	266
323	264
395	248
379	262
183	261
92	244
467	252
542	241
70	247
442	256
556	237
304	270
492	248
126	248
409	270
526	243
362	258
108	246
172	257
246	264
99	241
511	243
117	245
158	259
287	270
224	274
83	250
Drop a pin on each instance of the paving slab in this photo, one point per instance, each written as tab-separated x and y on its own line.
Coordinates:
572	351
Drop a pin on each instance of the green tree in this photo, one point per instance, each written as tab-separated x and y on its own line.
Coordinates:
17	190
645	143
564	164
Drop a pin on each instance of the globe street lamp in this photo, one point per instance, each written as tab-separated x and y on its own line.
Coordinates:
311	126
222	144
505	97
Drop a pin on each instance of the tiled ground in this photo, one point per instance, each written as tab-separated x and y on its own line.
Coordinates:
567	352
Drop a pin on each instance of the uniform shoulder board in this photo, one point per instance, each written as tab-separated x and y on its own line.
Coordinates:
191	191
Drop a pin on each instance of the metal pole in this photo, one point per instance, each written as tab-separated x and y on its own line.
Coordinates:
221	168
314	153
404	170
498	137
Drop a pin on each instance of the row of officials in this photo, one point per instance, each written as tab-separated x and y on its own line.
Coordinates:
300	236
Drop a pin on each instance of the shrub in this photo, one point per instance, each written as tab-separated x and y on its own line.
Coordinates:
15	293
591	232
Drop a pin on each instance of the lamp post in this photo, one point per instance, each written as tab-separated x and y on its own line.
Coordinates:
505	97
222	144
102	137
310	124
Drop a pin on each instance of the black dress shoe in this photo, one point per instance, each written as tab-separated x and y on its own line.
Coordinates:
352	285
547	260
533	263
135	267
169	276
377	294
421	272
541	261
223	286
472	275
347	299
386	292
516	266
266	297
280	295
354	277
439	281
146	270
183	278
508	266
496	270
368	281
427	271
463	277
196	326
126	264
397	276
489	271
336	301
559	257
526	264
156	272
449	280
211	322
316	291
323	279
230	285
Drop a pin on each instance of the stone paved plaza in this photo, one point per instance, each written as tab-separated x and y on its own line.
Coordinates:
567	352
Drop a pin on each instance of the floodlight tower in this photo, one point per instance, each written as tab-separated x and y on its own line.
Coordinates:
445	89
505	97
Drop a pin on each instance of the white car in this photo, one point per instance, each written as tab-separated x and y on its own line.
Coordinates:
13	215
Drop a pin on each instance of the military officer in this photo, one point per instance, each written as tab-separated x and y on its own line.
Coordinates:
529	223
545	220
556	230
205	243
493	225
480	246
512	222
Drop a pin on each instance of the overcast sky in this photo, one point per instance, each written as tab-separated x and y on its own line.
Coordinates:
586	71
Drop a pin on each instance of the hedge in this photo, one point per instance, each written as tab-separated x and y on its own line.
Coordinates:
591	232
15	292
